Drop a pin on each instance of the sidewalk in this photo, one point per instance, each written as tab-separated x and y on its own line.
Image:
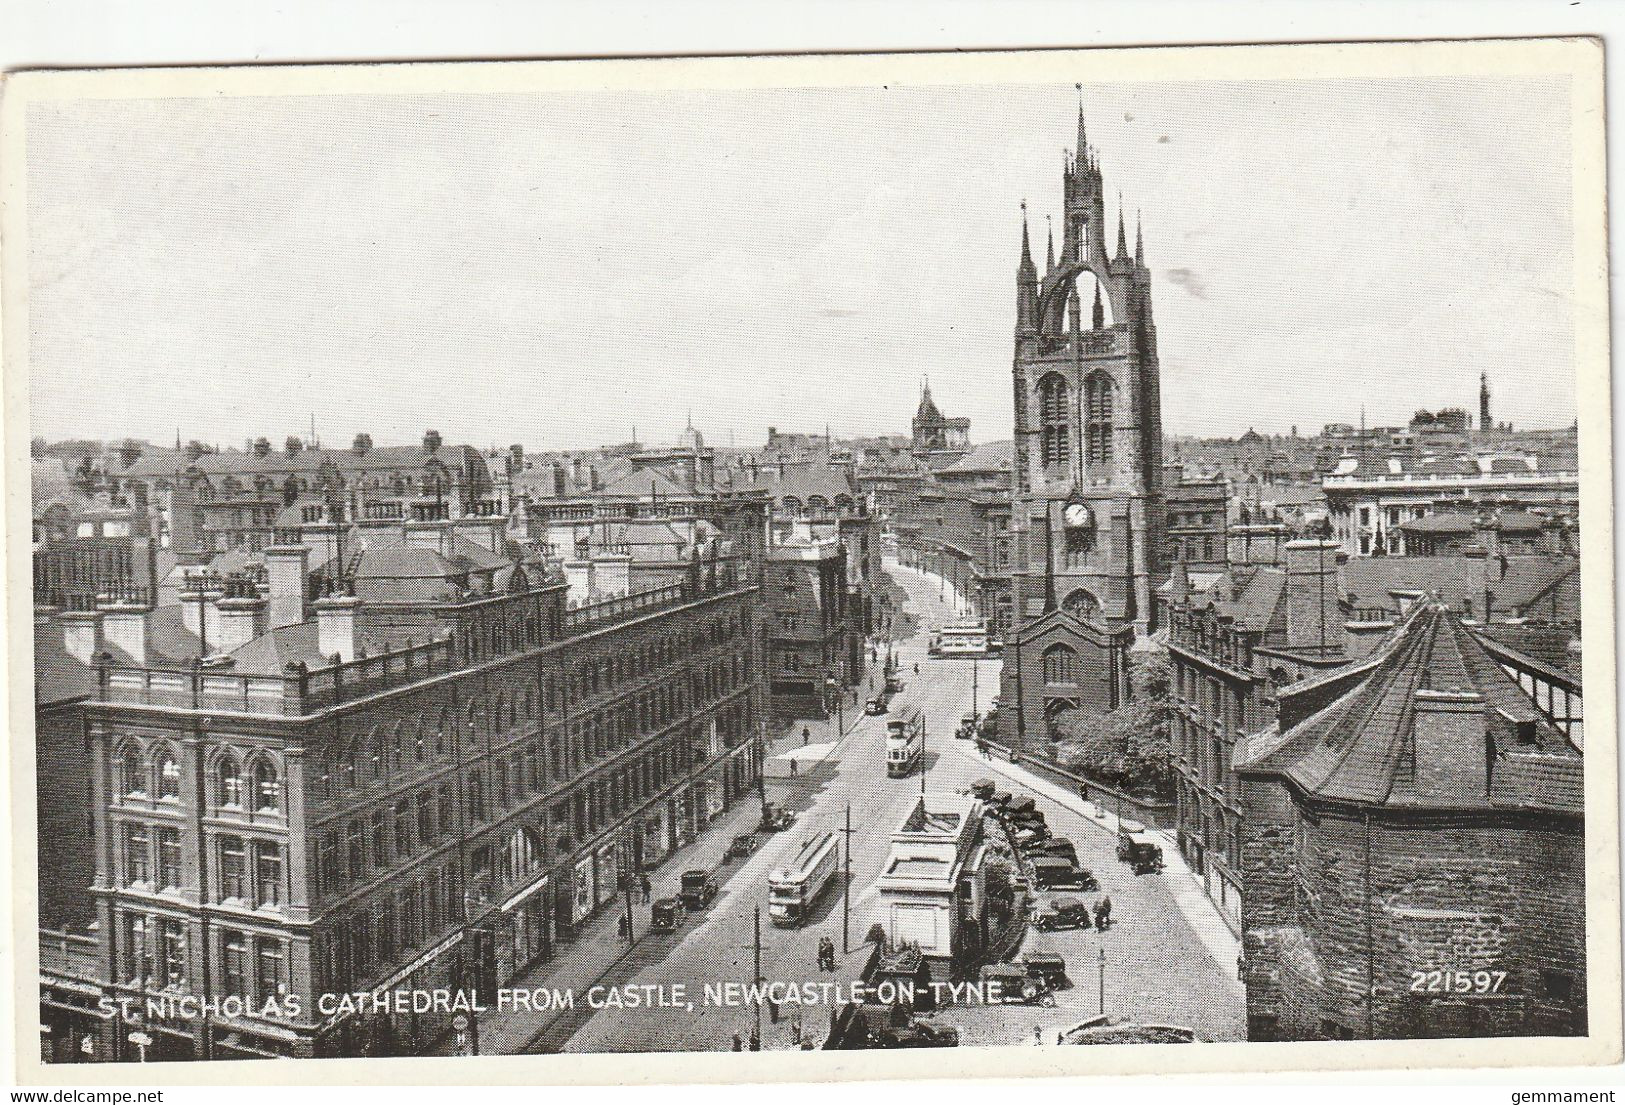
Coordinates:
1200	914
598	947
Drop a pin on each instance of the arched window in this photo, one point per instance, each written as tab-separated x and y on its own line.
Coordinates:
377	763
1054	420
132	771
267	788
1098	418
169	775
1060	664
228	777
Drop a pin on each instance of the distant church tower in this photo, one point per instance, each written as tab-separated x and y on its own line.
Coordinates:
1484	421
1087	514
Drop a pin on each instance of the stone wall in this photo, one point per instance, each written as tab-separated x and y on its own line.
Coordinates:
1471	892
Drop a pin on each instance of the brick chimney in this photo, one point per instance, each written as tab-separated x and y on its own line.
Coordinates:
335	626
613	572
81	633
124	625
1313	588
241	615
287	568
578	573
1448	734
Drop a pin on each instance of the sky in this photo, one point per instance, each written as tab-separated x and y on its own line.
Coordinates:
556	269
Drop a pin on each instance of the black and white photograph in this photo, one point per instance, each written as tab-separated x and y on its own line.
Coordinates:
865	554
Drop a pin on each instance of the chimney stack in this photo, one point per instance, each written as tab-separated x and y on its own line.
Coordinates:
124	624
241	616
1449	733
82	633
335	626
1314	619
287	568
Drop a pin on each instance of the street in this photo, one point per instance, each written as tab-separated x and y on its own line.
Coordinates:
1157	969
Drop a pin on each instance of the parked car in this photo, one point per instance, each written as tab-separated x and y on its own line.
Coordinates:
1010	984
1029	833
740	847
1054	873
1058	846
875	706
982	788
967	727
1062	913
776	819
1046	967
663	915
698	889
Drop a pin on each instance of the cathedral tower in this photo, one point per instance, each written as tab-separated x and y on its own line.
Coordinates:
1087	509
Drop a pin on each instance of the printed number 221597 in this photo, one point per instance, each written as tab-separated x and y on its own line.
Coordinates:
1457	982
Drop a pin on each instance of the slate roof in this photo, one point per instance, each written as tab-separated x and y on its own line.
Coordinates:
994	456
59	677
1362	747
803	481
1369	580
1448	524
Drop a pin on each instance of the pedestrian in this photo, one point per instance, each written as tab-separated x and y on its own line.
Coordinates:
806	734
645	888
626	929
795	1029
739	1045
792	766
773	1010
755	1041
916	667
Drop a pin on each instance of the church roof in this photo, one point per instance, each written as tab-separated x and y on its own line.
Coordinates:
1434	722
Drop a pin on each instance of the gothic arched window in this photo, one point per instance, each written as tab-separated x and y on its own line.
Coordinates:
229	779
1054	418
1098	419
1060	664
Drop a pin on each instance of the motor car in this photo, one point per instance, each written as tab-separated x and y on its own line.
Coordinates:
776	819
1062	913
1028	833
740	847
875	706
664	914
698	889
1136	848
1047	967
982	788
1010	984
1058	846
1055	873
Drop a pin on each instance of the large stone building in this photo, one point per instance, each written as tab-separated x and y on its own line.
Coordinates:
417	768
1371	499
1238	639
1087	476
938	441
1413	850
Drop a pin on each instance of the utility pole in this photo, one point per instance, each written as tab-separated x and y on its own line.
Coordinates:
758	979
631	935
846	895
1102	980
761	767
975	671
922	757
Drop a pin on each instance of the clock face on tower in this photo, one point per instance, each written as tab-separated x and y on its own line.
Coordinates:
1077	516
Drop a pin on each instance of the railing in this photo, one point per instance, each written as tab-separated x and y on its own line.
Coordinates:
297	691
1389	479
70	954
1154	812
300	690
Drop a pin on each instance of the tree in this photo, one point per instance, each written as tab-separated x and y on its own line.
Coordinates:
1129	747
